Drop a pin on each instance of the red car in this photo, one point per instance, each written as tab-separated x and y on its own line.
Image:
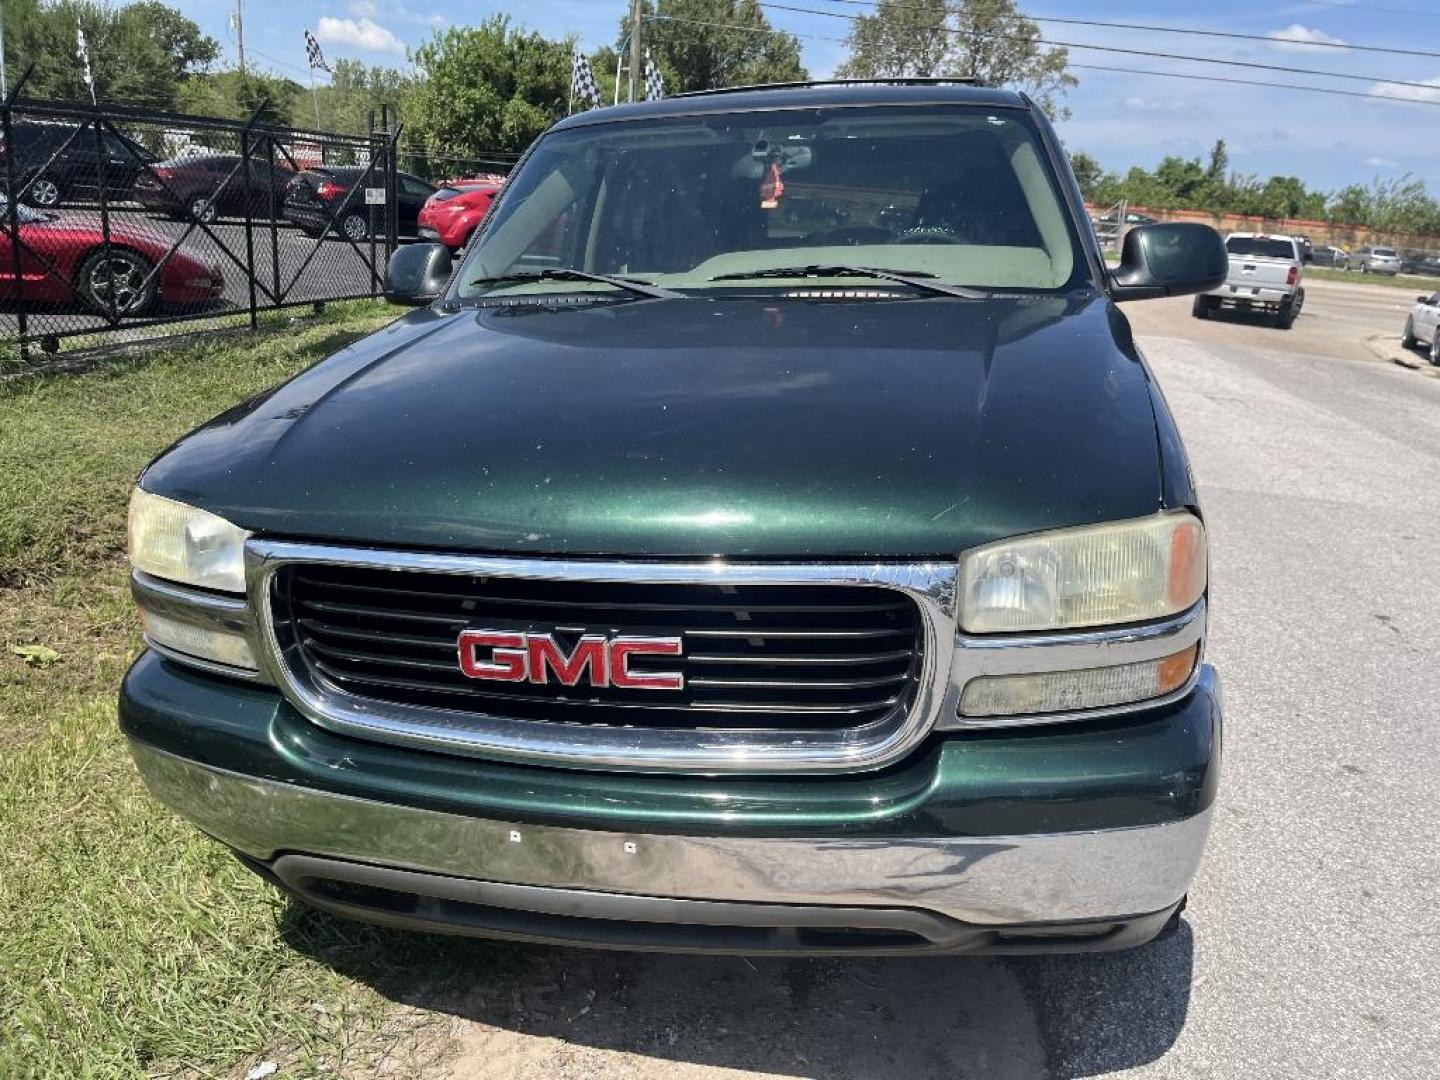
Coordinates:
63	260
450	215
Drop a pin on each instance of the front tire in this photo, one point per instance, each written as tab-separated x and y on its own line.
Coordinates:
1435	348
202	209
1201	308
355	227
43	193
119	281
1407	336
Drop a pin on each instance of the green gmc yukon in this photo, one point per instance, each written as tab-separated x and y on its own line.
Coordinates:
768	537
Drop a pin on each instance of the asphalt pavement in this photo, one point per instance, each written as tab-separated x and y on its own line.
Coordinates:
1311	947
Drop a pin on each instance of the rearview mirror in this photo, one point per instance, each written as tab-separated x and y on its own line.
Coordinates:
417	274
1169	259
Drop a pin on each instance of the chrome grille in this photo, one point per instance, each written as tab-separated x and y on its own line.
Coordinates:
771	656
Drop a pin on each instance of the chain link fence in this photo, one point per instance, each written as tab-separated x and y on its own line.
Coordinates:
117	223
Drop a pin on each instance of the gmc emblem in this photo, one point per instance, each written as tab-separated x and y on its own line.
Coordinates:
599	661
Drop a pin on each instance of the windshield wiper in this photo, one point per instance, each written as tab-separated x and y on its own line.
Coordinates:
639	288
913	280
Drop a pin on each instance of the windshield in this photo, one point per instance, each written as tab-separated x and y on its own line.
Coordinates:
957	195
1266	247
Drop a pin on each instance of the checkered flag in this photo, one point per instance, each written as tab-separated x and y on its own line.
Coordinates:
82	53
654	83
582	82
313	55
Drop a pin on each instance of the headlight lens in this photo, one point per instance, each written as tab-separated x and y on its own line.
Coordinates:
1096	575
182	543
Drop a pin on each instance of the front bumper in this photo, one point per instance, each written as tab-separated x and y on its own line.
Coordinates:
989	842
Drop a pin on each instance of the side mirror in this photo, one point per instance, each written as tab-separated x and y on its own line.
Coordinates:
1422	300
417	274
1169	259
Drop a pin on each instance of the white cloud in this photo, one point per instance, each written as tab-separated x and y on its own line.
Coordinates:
1427	93
369	9
1163	105
1298	38
363	33
1381	163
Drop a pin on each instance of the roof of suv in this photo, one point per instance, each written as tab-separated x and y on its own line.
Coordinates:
805	95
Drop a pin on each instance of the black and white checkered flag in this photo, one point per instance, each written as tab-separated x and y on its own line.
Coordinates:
582	82
313	55
654	83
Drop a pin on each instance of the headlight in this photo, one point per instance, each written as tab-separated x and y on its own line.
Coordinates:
181	543
1095	575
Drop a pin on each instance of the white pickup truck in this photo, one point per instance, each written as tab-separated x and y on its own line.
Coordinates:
1265	272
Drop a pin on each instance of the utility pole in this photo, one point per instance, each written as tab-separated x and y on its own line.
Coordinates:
4	87
240	34
636	54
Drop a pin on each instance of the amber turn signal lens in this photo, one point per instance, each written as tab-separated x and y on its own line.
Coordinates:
1076	691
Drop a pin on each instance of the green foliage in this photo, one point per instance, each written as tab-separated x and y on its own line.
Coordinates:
738	48
355	91
486	88
987	40
236	96
140	54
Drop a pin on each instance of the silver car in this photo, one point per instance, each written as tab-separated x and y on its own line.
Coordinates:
1375	260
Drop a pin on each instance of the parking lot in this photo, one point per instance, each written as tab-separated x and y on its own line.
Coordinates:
1309	946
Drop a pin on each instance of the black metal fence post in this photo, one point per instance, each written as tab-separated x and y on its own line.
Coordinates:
101	176
274	225
249	214
392	187
369	212
12	213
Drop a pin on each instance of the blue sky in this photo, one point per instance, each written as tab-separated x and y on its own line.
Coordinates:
1122	119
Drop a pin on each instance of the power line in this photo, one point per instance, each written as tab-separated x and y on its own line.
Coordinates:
1151	29
1098	67
1251	64
1372	7
1253	82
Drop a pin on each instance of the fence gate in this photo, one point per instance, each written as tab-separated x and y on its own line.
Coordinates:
116	221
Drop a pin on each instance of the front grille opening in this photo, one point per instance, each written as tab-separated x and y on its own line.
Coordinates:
755	656
362	900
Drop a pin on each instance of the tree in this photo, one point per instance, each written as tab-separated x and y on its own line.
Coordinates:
1088	174
708	44
486	88
900	39
235	96
139	54
986	40
354	92
1219	163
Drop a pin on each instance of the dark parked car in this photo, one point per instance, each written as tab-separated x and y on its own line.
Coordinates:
335	195
57	162
673	578
1420	263
1329	255
207	186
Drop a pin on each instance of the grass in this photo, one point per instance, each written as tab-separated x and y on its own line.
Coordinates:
1411	283
130	945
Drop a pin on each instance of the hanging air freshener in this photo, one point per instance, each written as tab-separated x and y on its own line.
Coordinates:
772	187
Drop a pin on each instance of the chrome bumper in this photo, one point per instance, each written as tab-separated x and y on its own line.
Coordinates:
981	881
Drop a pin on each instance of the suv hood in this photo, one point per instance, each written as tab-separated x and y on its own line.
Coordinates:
738	427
